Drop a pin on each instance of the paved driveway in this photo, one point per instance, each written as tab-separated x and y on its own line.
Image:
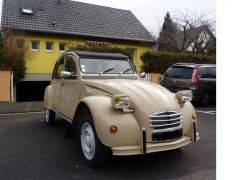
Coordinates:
31	150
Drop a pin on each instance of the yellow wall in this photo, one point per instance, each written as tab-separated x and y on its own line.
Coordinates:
43	62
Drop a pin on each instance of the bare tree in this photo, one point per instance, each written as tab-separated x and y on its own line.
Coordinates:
194	33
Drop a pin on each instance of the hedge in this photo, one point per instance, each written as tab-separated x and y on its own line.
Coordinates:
159	62
103	49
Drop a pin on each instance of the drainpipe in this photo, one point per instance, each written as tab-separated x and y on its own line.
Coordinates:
12	89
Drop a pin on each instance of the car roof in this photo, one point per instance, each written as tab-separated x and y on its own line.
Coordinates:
193	65
100	55
207	65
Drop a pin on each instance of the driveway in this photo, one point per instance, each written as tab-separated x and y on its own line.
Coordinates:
31	150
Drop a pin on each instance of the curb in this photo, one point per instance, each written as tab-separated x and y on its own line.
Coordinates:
20	113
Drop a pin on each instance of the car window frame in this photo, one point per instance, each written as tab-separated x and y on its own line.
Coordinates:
209	73
56	67
204	76
186	67
74	60
106	59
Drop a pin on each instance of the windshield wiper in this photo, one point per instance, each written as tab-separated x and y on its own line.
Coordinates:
126	71
107	70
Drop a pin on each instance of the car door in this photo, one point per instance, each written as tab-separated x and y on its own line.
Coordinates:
70	90
212	80
207	80
57	83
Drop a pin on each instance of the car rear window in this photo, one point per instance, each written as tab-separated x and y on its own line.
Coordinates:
179	72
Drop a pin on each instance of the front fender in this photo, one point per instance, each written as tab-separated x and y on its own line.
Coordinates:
104	116
187	111
48	97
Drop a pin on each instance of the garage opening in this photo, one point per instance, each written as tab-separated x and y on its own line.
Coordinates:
31	90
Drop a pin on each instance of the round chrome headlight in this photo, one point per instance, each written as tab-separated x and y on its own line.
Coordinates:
184	96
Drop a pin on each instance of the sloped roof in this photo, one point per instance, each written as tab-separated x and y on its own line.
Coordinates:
74	18
193	34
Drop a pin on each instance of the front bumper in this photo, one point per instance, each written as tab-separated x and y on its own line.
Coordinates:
151	148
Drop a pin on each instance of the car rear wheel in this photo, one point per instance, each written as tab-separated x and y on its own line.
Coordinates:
93	151
205	99
49	117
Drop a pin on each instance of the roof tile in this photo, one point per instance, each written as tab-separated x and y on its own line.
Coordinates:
74	18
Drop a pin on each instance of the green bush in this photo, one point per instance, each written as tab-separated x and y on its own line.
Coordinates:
12	57
160	61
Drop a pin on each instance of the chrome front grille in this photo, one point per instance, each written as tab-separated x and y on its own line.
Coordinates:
164	121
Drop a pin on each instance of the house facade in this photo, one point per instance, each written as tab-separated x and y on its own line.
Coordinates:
49	27
197	39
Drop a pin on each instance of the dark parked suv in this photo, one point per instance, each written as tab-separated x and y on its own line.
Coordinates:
200	78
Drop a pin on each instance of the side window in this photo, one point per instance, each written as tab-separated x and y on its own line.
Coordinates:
62	47
49	46
59	68
35	45
70	66
212	72
202	72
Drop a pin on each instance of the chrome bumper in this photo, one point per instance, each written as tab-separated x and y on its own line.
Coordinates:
151	148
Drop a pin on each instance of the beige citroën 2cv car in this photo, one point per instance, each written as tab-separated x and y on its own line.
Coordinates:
114	112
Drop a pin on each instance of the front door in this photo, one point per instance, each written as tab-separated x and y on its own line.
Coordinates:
57	83
70	91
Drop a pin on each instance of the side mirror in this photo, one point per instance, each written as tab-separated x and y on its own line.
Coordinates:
142	75
65	74
184	96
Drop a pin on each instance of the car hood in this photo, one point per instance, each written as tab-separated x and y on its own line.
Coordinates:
146	98
142	94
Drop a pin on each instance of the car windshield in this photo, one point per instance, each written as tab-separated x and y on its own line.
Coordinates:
179	72
105	66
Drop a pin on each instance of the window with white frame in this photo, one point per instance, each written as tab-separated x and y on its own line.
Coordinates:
35	45
62	47
49	46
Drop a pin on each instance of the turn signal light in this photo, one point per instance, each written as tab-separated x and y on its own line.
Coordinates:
194	117
113	129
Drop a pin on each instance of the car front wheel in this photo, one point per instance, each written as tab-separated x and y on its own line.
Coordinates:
93	151
49	117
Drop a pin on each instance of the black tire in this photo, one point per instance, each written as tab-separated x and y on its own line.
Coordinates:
49	117
205	99
101	153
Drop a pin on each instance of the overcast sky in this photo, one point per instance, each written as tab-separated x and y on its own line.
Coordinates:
151	12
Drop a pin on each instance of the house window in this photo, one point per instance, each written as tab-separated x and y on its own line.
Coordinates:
49	46
35	45
62	47
20	43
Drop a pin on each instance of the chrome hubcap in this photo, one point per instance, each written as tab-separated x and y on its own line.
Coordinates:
46	115
87	140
